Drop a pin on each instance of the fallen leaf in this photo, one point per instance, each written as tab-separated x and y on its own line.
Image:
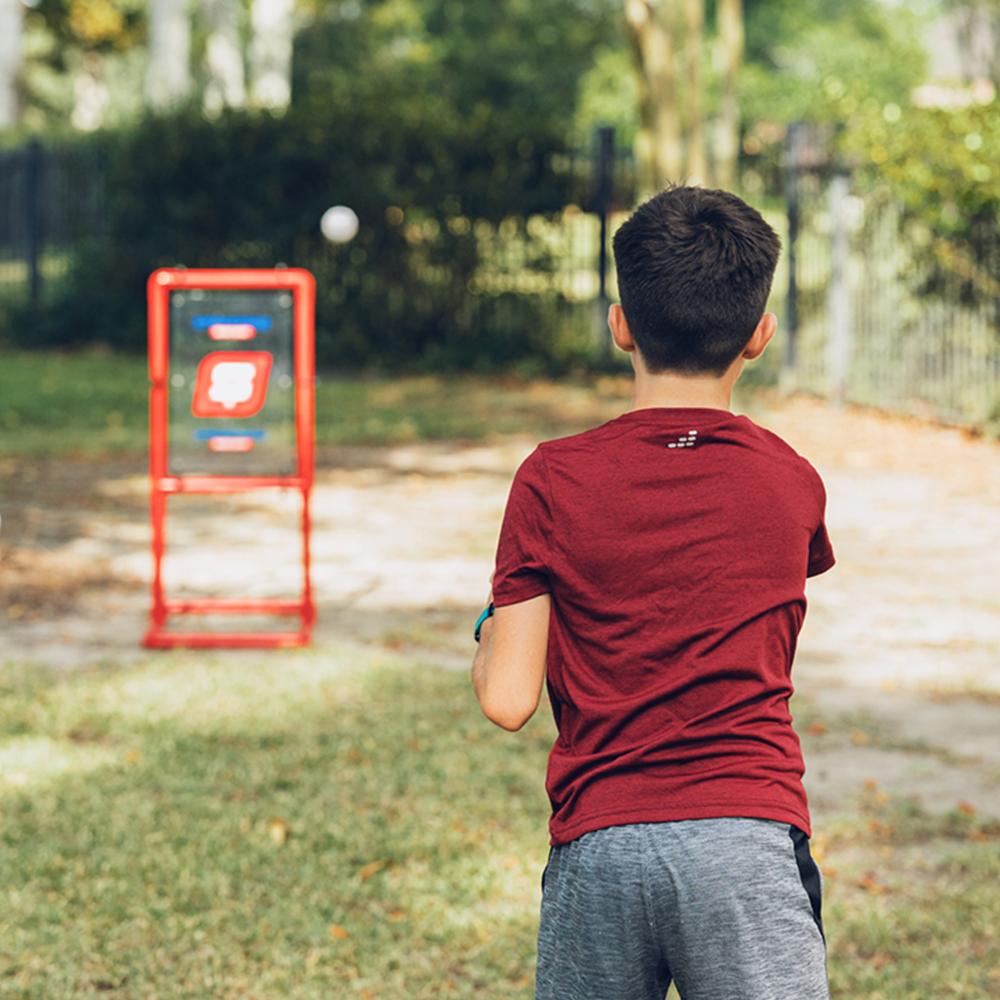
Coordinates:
871	884
132	756
966	807
339	933
871	784
860	737
397	914
816	728
279	829
371	868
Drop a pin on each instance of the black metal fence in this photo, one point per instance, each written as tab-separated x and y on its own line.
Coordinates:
876	309
51	200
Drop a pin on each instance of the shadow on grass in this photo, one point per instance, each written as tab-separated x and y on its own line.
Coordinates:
311	827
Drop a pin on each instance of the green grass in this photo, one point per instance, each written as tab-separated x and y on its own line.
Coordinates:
143	850
89	404
141	806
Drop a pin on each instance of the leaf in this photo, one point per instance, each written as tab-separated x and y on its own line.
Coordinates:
279	829
870	883
339	933
860	737
371	868
816	728
967	807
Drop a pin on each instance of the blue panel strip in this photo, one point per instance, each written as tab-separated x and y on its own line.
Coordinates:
262	323
206	433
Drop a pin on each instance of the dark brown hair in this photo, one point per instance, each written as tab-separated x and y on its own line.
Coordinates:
694	267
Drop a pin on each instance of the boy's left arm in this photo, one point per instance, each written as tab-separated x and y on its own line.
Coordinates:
508	671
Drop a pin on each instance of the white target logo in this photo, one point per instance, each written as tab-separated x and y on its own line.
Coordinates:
232	383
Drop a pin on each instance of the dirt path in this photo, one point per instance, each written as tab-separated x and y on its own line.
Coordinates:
898	669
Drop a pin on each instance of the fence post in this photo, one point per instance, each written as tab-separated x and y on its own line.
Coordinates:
603	193
791	170
33	221
840	335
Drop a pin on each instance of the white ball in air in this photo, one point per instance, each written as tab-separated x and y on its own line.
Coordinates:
339	224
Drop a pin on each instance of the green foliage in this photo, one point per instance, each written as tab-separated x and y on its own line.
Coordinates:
817	60
940	162
435	121
249	189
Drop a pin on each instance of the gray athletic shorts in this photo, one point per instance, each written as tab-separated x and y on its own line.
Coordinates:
728	909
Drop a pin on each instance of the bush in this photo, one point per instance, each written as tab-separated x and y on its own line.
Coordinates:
248	190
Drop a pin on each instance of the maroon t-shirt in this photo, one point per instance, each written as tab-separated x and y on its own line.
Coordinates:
675	542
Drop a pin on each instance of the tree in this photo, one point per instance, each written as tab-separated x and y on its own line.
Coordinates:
168	77
697	164
652	28
225	85
272	27
11	22
729	14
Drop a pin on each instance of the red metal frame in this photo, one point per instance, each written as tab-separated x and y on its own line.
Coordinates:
161	283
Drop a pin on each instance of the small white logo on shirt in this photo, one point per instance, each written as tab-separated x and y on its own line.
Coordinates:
684	441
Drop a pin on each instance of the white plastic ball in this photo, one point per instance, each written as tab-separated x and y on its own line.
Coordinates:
339	224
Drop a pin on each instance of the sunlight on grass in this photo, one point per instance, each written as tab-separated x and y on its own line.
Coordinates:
296	844
31	760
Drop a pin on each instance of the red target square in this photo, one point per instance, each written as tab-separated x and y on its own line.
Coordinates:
231	384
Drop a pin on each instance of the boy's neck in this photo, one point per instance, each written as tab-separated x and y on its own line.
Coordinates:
669	389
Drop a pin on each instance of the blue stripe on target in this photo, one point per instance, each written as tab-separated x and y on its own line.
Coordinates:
207	433
262	323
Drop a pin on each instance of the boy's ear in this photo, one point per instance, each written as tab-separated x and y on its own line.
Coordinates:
761	336
618	325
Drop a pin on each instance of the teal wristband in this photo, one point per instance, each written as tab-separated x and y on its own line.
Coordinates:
487	612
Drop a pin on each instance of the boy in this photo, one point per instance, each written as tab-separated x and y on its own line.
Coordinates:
651	572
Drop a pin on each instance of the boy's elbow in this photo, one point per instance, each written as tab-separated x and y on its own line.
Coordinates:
511	718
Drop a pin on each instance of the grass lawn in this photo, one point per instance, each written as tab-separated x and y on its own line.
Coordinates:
308	824
344	823
94	403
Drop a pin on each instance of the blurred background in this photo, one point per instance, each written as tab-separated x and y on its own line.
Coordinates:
340	821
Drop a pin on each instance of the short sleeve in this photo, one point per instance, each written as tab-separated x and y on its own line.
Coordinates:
522	563
821	556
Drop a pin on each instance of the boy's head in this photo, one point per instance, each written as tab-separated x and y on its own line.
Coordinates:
694	272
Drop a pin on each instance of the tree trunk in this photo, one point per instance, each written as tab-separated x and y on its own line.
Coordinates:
652	27
225	86
727	144
694	17
11	20
271	25
90	93
168	75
